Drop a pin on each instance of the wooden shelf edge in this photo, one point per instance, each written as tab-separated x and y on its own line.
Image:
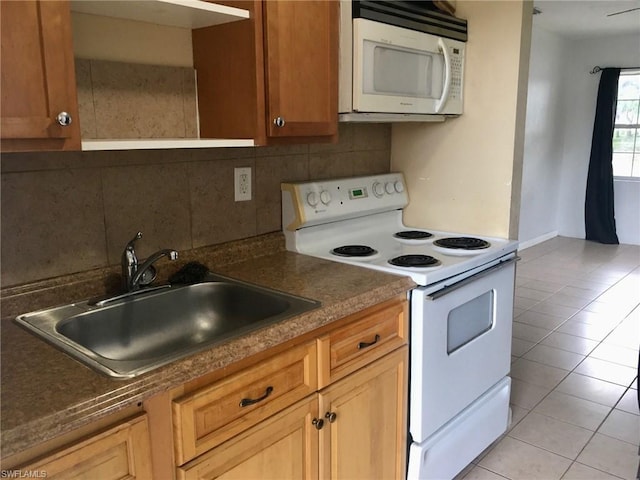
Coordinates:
176	13
134	144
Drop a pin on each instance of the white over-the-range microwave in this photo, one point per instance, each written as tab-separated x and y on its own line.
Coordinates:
391	69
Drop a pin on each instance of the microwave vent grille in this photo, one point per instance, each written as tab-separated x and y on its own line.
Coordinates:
412	15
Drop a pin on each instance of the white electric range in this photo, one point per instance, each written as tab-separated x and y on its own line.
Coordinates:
460	312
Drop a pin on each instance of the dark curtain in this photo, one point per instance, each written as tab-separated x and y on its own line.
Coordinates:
599	218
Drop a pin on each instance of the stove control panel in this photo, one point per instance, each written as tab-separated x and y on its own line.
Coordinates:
313	203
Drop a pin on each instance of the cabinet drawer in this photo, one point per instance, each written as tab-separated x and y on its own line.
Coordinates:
120	452
369	336
284	446
224	409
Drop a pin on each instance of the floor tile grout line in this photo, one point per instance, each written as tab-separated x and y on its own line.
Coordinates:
594	432
589	466
601	274
487	469
555	330
597	432
578	373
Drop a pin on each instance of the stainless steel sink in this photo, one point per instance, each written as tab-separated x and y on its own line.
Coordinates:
133	335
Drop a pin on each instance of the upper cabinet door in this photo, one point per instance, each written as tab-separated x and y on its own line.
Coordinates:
39	108
301	68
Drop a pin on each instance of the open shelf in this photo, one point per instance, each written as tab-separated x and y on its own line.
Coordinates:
175	13
164	143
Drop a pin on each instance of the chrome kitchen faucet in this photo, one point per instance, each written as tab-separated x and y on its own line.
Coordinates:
135	276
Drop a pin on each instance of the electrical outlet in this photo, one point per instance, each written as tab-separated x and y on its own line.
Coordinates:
242	184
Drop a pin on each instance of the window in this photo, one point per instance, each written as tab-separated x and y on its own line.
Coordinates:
626	133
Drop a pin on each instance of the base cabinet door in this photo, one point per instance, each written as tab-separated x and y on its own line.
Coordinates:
284	447
361	438
120	452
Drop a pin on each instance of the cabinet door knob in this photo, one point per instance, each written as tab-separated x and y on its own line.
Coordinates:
279	122
64	119
318	423
331	416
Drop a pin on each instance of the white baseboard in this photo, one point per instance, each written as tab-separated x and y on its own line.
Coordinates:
534	241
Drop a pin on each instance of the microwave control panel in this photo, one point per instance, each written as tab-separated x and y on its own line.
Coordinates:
457	58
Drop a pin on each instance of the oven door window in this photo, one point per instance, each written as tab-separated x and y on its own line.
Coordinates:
399	71
469	321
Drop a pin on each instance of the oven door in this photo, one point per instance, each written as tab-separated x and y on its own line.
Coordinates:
460	344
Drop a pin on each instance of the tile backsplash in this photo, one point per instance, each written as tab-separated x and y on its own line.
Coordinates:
68	212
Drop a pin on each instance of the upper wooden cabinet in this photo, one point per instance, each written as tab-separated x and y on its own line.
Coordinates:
38	77
273	77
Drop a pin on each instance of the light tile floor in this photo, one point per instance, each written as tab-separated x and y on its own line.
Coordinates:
576	336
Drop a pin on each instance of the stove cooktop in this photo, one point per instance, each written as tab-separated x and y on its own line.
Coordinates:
332	219
377	233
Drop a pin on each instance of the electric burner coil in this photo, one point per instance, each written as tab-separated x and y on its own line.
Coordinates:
462	243
412	235
415	261
354	251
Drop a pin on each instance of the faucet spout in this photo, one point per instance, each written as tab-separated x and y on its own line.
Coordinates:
147	264
133	275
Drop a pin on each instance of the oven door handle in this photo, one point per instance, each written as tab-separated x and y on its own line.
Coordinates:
455	286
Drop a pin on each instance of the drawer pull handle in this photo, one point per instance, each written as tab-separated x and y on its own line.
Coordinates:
331	416
245	402
318	423
362	345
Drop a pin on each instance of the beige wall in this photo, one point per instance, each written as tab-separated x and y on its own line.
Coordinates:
130	41
69	212
462	174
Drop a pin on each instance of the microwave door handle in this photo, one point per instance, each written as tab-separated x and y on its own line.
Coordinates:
447	75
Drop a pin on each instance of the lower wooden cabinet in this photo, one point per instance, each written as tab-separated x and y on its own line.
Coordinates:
120	452
219	412
334	408
353	429
284	447
331	407
364	435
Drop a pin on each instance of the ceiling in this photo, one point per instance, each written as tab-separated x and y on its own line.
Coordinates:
578	19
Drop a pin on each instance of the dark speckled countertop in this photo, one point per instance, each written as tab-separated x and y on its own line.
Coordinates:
46	393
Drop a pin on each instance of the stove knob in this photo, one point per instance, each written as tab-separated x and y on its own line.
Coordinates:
325	197
389	188
398	186
312	199
378	189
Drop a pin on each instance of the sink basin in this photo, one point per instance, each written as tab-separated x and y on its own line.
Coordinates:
133	335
